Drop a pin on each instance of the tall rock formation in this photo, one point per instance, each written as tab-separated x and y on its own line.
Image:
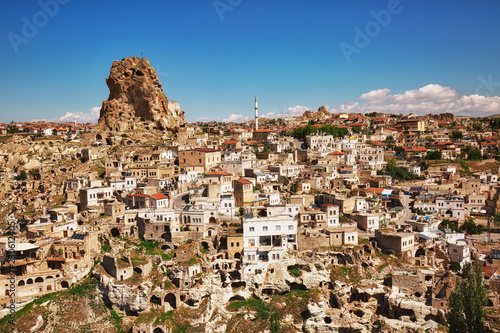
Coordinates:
136	99
320	115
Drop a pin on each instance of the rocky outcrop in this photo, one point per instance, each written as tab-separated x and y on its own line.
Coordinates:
128	298
136	99
442	117
320	115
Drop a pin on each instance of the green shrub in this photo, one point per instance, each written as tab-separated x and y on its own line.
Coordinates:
295	272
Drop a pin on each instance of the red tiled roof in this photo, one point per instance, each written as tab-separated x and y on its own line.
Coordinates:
206	150
416	149
219	173
377	190
230	142
336	153
159	196
243	181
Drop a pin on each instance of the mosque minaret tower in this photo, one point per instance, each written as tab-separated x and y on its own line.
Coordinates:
256	114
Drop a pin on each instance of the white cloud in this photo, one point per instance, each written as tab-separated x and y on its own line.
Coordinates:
430	92
378	94
81	117
293	111
234	118
205	119
432	98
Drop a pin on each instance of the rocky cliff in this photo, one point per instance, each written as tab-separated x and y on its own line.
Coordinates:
321	114
136	99
442	117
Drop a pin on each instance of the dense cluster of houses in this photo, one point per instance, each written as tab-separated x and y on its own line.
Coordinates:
283	194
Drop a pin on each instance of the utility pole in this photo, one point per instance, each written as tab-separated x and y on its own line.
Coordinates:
489	227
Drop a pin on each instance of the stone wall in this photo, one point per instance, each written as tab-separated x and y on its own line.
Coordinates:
313	242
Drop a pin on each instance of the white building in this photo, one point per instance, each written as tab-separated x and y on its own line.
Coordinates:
158	201
368	221
94	196
459	252
320	143
453	204
273	198
332	216
200	220
227	205
267	239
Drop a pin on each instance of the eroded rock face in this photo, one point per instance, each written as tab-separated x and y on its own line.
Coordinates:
136	97
321	114
442	117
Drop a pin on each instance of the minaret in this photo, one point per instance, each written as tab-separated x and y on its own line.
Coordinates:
256	114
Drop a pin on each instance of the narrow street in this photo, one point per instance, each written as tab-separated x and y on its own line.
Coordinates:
405	202
179	200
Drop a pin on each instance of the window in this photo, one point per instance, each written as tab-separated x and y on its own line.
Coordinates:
278	227
290	227
264	228
251	229
232	244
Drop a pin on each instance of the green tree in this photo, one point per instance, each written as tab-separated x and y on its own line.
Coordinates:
12	129
496	219
475	154
434	155
389	138
457	135
472	228
467	302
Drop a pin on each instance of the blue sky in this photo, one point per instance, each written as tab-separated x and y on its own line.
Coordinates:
213	57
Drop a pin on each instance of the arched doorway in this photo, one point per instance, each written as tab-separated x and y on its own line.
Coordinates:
65	284
38	279
158	330
170	299
115	232
420	252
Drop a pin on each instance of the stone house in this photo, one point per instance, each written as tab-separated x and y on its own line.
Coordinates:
200	159
403	244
